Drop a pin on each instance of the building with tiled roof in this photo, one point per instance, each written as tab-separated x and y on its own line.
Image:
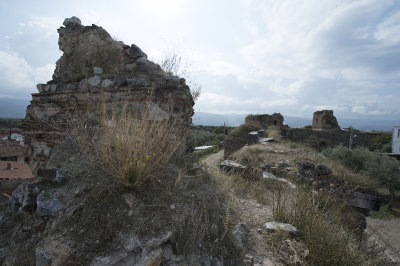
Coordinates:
11	150
12	174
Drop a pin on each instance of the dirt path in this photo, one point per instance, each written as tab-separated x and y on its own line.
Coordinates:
388	232
254	214
212	160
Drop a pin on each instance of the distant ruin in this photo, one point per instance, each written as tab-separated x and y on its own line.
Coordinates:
324	120
265	120
94	67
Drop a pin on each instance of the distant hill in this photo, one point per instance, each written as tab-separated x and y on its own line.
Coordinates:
13	108
201	118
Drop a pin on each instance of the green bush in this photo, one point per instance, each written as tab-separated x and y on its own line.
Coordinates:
382	143
198	137
376	166
219	130
237	138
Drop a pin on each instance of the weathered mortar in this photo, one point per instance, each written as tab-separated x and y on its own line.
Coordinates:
96	68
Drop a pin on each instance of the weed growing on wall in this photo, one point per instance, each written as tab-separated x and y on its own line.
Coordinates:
131	143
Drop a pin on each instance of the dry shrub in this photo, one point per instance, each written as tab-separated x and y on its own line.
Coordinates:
319	218
274	132
130	143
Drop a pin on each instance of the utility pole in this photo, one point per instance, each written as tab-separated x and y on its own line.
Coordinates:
352	136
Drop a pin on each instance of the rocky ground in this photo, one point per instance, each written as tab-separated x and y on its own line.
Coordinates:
387	232
257	241
77	215
290	161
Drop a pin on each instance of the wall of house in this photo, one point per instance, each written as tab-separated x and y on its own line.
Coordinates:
7	186
396	140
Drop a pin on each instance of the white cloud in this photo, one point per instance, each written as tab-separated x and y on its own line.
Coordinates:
18	77
291	56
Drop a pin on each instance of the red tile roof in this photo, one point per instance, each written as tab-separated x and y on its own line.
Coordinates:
18	170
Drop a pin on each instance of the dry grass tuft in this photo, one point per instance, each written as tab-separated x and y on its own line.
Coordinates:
128	142
274	132
318	217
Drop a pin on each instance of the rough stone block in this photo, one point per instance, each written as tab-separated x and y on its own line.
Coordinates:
48	207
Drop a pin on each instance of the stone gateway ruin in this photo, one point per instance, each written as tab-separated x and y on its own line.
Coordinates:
94	67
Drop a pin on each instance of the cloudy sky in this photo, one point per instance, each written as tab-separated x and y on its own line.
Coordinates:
249	56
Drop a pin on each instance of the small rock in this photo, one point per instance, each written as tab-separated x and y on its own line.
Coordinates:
70	87
94	81
306	169
106	84
24	197
130	200
112	259
120	82
240	233
53	253
167	251
59	177
206	261
26	228
273	226
172	206
130	67
322	170
72	21
97	70
47	174
293	252
154	258
53	87
266	262
40	87
135	82
49	207
134	52
83	84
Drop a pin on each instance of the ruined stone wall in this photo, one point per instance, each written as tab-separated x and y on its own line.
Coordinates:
323	139
265	120
95	68
324	120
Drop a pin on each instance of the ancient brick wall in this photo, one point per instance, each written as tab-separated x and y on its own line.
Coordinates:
265	120
324	120
94	68
323	139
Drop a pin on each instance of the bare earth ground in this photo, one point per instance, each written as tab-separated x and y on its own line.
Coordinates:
252	213
388	232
